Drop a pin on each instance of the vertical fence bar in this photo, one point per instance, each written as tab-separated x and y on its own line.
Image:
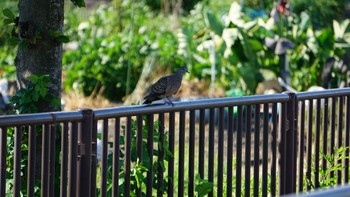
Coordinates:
282	149
317	140
31	160
201	142
94	158
181	153
160	154
239	151
333	116
73	147
116	155
309	143
211	148
52	163
229	151
45	160
220	153
296	144
256	149
340	135
127	156
139	138
301	146
248	150
290	148
325	132
265	149
150	126
86	141
171	149
347	138
191	153
64	160
273	149
104	168
3	153
17	162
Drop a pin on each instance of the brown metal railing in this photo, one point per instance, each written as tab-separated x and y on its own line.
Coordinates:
252	145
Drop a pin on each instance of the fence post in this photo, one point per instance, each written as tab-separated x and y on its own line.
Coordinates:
288	146
84	152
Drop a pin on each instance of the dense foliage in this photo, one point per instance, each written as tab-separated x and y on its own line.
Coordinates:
112	61
225	47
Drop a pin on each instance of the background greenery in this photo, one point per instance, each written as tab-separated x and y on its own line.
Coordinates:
109	43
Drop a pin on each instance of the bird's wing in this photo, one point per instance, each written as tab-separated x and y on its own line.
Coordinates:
159	88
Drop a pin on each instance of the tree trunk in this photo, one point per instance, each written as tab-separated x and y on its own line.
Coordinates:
149	72
42	54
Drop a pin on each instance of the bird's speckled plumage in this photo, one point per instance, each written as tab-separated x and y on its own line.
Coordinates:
165	87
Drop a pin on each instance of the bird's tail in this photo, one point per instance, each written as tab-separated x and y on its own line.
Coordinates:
147	101
149	98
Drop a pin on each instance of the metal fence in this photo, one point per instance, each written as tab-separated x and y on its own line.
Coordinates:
253	145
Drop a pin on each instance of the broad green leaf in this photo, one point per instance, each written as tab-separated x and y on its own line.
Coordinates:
56	102
214	23
256	45
203	187
35	96
43	92
8	21
63	39
8	13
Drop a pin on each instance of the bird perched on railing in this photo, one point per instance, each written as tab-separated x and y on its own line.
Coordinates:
165	87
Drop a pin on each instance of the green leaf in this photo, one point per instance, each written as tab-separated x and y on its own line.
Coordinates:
203	187
35	96
8	13
43	92
8	21
13	41
63	39
26	100
56	102
33	78
214	23
256	45
79	3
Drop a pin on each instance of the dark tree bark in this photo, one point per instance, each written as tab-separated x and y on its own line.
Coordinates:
43	54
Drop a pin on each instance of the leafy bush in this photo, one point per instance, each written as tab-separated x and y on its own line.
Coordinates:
322	12
334	163
139	168
109	56
27	100
312	49
233	43
7	51
225	48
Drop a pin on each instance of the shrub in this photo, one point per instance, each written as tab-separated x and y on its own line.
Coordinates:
110	53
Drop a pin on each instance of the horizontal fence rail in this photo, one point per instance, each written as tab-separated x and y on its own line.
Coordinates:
264	145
